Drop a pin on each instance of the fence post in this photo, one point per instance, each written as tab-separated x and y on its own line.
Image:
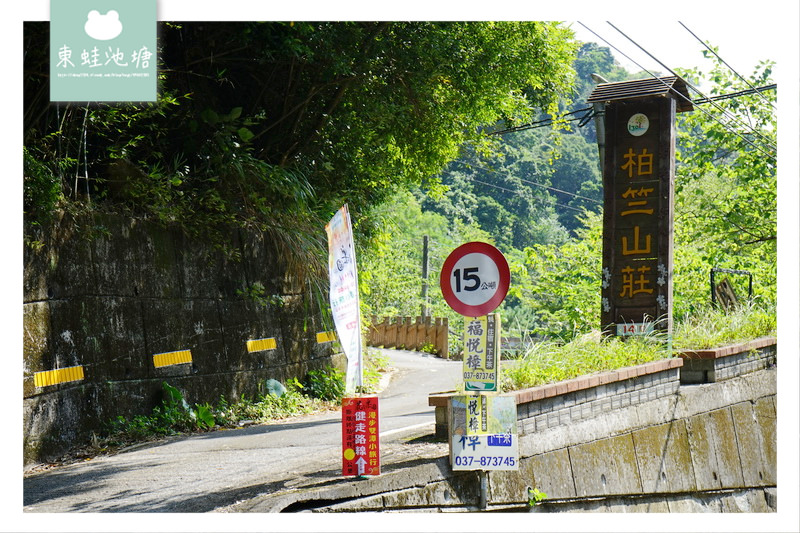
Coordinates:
419	333
402	332
383	331
426	334
441	337
372	332
388	336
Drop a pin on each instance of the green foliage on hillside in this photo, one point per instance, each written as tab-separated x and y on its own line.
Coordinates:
537	196
726	190
276	125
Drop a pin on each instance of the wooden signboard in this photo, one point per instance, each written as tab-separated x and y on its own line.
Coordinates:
638	181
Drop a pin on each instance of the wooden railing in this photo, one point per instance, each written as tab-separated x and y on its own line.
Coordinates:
410	334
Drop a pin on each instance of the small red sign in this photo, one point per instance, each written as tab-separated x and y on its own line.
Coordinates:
361	453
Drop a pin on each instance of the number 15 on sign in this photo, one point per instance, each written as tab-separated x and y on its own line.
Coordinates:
475	279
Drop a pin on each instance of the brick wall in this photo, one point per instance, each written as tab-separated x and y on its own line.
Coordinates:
708	366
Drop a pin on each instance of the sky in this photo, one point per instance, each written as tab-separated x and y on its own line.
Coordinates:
745	32
742	46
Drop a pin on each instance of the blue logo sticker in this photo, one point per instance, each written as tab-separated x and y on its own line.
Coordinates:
499	440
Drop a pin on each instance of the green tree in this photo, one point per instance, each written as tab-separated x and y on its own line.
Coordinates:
557	288
390	266
351	110
275	125
726	188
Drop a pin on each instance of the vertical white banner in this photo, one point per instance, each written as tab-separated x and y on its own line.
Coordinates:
344	293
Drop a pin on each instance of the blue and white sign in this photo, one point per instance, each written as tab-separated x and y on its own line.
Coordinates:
484	432
484	452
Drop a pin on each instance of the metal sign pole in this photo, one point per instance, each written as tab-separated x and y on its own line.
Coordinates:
484	502
474	280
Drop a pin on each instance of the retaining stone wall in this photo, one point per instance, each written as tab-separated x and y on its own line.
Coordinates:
616	436
708	366
105	294
704	448
584	397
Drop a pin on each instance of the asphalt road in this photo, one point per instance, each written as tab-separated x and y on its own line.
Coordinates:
203	472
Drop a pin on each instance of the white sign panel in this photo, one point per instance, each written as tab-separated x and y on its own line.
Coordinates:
481	349
635	329
484	432
485	452
344	293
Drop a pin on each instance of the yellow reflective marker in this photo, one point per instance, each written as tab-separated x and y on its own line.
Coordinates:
259	345
172	358
326	336
61	375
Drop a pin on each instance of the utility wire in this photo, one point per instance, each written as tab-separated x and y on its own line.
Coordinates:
518	193
709	115
726	113
546	187
732	117
590	113
736	94
548	121
727	65
598	202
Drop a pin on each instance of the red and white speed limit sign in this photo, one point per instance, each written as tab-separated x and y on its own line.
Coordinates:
475	279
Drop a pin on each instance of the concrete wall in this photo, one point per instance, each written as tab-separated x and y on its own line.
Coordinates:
106	294
696	443
692	448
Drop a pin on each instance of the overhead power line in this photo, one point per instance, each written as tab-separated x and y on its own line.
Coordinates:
589	112
582	120
598	202
737	94
546	187
727	65
476	180
725	126
698	91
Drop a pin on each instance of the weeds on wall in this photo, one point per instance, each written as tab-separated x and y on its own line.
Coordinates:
550	361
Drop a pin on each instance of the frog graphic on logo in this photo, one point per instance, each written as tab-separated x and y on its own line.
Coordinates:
103	27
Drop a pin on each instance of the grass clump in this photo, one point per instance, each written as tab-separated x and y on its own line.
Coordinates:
376	364
549	361
717	327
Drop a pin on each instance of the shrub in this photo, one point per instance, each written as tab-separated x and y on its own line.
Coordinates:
326	384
